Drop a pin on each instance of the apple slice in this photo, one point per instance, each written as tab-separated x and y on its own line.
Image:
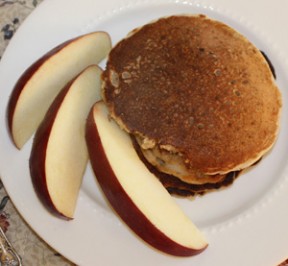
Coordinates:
42	81
135	193
59	153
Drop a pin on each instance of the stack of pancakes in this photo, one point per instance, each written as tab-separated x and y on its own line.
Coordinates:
198	99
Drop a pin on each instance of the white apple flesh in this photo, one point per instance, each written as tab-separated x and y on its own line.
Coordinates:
136	194
59	153
41	82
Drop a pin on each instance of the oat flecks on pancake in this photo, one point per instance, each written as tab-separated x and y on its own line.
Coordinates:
195	88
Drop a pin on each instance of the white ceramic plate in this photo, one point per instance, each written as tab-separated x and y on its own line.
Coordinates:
246	224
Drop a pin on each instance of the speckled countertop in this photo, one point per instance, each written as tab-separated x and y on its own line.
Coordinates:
33	251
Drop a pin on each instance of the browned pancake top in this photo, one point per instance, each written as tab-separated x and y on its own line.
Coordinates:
196	85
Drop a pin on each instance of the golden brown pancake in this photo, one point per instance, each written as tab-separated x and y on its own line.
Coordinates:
199	98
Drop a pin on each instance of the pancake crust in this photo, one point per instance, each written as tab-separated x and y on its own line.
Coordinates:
196	88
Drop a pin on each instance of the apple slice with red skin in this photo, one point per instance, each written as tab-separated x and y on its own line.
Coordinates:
136	194
59	153
41	82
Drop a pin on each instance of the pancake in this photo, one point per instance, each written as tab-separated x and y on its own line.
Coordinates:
199	98
172	164
176	186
